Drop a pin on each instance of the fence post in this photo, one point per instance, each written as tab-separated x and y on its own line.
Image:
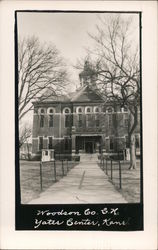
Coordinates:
67	166
103	163
100	161
62	167
106	167
111	169
55	171
120	175
41	175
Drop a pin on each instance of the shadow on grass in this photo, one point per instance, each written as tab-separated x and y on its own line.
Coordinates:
30	185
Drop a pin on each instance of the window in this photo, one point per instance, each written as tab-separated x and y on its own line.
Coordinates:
66	144
41	113
79	110
111	143
67	121
67	112
50	142
110	120
50	121
88	118
79	120
51	111
137	141
126	120
109	109
125	109
41	121
40	143
97	123
96	110
127	141
88	109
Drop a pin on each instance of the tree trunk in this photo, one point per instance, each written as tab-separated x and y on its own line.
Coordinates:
28	153
132	152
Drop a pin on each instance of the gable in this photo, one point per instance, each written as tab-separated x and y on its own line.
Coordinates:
87	95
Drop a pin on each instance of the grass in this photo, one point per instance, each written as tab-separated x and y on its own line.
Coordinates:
30	184
130	180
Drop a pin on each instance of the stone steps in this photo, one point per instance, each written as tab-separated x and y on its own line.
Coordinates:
88	157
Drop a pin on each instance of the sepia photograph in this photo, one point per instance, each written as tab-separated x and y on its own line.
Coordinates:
79	125
79	107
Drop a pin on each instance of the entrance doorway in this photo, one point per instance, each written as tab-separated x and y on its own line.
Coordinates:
89	147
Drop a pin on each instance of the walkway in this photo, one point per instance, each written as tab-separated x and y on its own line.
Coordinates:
85	183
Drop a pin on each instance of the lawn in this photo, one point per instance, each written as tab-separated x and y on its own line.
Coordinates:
30	184
130	180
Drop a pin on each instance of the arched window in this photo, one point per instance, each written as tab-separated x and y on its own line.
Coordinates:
125	109
41	112
51	120
79	110
97	122
66	110
67	113
50	112
88	109
96	109
109	110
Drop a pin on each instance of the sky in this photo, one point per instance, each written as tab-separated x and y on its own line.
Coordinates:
67	31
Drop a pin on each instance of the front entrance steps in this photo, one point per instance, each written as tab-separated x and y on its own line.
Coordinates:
88	157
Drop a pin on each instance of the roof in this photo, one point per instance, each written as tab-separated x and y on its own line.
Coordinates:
83	94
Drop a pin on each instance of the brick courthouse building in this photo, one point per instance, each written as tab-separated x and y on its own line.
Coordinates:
81	122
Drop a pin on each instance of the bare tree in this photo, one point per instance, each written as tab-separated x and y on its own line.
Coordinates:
117	66
41	73
24	134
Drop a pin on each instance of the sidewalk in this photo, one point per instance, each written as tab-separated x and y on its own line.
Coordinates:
85	183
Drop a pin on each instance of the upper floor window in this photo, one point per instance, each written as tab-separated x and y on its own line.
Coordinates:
41	121
109	109
66	111
40	143
79	110
125	109
88	109
50	142
127	141
97	122
110	120
126	121
111	144
88	120
41	111
96	110
51	112
137	141
80	120
51	121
